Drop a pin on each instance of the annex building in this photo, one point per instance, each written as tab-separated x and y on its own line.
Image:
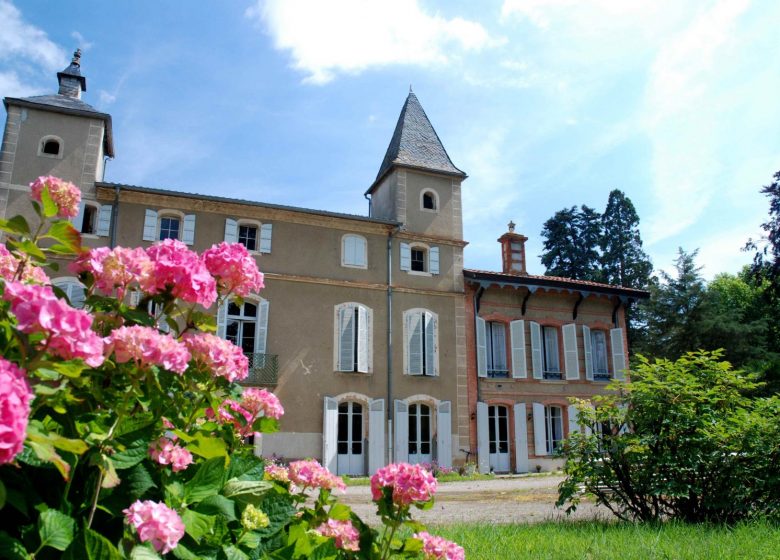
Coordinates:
379	344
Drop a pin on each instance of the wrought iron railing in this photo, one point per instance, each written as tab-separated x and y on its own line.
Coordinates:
263	369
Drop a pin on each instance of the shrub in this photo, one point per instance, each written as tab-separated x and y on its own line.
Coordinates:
681	440
121	439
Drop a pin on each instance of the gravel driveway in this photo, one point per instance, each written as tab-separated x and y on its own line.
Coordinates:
510	499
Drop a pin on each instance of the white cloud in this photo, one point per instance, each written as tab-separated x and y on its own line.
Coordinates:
12	86
350	36
83	44
20	40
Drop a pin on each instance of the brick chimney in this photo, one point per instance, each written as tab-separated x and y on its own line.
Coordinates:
72	83
513	251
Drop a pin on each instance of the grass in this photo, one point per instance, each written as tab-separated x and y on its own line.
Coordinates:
612	541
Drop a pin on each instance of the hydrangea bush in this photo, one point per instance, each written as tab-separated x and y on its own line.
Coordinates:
123	433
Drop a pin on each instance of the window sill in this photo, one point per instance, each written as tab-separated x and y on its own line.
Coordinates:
606	379
425	375
357	266
429	210
90	236
50	156
418	273
352	373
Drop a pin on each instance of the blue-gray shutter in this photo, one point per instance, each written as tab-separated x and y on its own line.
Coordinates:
346	338
265	238
104	220
587	346
433	260
406	257
431	345
188	236
414	342
231	230
481	348
150	225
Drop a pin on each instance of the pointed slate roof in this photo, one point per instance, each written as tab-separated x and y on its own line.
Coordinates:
416	144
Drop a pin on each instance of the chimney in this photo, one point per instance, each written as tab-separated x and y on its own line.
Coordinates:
72	83
513	251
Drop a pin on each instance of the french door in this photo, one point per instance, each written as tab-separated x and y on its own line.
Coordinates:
419	433
498	433
349	443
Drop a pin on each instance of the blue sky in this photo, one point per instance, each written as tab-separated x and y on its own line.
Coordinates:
544	103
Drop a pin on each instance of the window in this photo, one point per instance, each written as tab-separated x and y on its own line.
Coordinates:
419	258
245	325
169	224
169	227
496	350
429	201
93	218
89	224
552	364
419	433
353	338
353	251
50	146
553	419
421	338
598	342
247	236
73	289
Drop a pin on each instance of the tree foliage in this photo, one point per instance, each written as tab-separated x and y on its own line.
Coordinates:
623	261
682	440
571	239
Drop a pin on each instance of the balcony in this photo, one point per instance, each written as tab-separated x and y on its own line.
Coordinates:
263	370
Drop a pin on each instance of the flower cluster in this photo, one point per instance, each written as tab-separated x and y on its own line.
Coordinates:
115	268
166	452
65	195
181	271
9	266
68	331
260	401
253	518
409	483
310	474
220	356
234	268
231	412
147	346
343	533
15	397
277	472
439	548
156	523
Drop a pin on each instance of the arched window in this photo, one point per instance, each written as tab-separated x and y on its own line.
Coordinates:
245	325
50	146
353	338
429	200
353	251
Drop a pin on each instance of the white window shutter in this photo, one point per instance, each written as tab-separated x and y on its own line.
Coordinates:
414	340
104	220
433	260
570	354
231	230
330	433
536	349
483	438
574	419
73	289
376	435
222	320
431	345
517	335
188	236
540	430
78	220
348	250
481	347
406	257
444	433
401	432
150	225
135	298
363	326
587	347
346	338
521	439
266	231
618	353
361	251
261	330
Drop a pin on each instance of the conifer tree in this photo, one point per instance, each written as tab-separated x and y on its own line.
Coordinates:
623	262
571	239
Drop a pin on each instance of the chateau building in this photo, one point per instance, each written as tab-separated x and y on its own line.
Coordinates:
378	343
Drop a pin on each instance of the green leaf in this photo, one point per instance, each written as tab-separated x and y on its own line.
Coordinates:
218	505
70	368
11	549
341	512
183	553
64	232
234	553
50	208
132	454
28	248
246	467
141	552
207	446
138	481
207	480
413	545
17	225
45	452
197	525
266	425
56	529
99	547
3	495
110	477
246	491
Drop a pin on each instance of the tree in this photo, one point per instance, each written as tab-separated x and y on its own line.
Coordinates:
623	262
670	318
571	239
766	262
681	441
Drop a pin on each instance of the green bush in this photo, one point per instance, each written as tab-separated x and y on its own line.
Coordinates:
682	440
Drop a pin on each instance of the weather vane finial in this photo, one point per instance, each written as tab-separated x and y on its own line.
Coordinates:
76	57
410	88
511	226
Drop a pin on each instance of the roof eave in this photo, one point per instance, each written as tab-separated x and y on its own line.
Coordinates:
521	280
393	166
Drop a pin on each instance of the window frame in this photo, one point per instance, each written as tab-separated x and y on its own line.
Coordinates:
169	215
605	375
344	253
248	225
434	197
367	341
550	423
48	138
547	373
492	371
428	320
423	262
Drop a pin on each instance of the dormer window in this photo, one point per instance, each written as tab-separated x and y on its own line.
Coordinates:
50	146
429	201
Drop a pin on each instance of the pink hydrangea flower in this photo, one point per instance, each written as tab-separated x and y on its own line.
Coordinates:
343	533
65	195
310	474
410	483
15	397
277	472
221	356
166	452
156	523
234	268
180	270
439	548
115	268
147	346
9	265
69	331
260	401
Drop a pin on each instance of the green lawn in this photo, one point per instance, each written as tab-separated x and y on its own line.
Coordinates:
601	541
